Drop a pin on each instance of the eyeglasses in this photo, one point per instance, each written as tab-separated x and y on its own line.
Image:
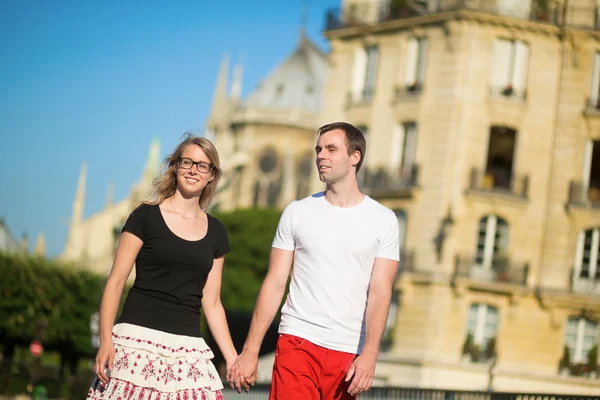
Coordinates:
203	167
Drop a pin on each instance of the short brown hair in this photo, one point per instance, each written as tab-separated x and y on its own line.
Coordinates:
355	139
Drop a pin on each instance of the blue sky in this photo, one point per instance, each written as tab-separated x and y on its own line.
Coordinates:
95	81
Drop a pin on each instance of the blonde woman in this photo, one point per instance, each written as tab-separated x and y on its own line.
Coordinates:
155	349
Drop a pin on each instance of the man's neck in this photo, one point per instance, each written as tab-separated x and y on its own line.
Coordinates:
344	193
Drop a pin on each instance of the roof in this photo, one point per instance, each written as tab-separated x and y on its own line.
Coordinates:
296	83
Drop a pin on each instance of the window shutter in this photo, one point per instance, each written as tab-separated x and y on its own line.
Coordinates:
358	76
521	67
411	62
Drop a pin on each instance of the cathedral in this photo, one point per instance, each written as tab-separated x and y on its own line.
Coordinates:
92	241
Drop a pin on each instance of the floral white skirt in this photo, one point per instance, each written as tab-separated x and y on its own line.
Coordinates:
154	365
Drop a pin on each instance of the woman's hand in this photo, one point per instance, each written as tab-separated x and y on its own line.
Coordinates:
106	355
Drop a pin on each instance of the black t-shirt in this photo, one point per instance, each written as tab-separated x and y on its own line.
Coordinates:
170	273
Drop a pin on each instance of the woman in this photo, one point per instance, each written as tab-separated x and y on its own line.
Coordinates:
155	350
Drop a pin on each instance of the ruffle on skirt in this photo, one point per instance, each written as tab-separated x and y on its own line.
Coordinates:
150	364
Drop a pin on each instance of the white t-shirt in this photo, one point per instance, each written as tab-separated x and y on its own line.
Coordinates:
335	249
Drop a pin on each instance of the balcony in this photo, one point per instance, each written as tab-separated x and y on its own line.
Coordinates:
508	92
408	92
499	182
360	98
592	107
502	270
407	262
376	12
587	196
582	283
382	182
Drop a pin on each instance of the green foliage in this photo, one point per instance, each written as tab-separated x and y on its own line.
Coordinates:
34	290
251	234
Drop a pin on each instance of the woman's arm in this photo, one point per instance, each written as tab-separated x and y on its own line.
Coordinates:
127	251
215	313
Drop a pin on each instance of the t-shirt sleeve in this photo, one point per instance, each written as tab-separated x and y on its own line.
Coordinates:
284	236
389	242
222	240
136	222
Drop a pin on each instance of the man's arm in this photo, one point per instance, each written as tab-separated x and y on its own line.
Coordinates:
378	306
267	304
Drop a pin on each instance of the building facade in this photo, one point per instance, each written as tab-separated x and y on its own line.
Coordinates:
483	134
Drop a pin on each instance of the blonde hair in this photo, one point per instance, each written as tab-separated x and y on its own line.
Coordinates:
164	186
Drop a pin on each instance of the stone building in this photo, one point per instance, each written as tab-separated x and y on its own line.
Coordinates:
483	131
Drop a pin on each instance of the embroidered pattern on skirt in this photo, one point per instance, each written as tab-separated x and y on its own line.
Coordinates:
117	389
151	365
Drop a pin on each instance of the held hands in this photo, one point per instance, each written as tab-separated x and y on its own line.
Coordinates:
243	372
361	373
106	355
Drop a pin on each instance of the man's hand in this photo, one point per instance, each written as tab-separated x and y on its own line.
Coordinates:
361	373
243	373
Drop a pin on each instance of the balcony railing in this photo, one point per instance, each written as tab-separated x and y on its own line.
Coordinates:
407	262
375	12
508	92
588	195
364	97
261	391
589	285
592	106
384	182
408	91
501	271
499	181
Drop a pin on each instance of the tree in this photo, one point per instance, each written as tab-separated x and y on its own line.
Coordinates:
251	233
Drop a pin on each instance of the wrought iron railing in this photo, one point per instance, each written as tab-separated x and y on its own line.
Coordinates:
375	12
583	283
508	92
592	105
261	391
501	270
407	261
499	181
580	194
365	96
408	91
383	181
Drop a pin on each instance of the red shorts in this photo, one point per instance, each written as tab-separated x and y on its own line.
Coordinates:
302	370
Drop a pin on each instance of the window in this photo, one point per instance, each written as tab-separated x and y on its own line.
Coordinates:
580	336
279	90
404	145
482	329
500	158
415	64
590	187
509	71
492	241
365	73
587	261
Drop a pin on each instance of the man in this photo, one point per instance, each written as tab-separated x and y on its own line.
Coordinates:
345	250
